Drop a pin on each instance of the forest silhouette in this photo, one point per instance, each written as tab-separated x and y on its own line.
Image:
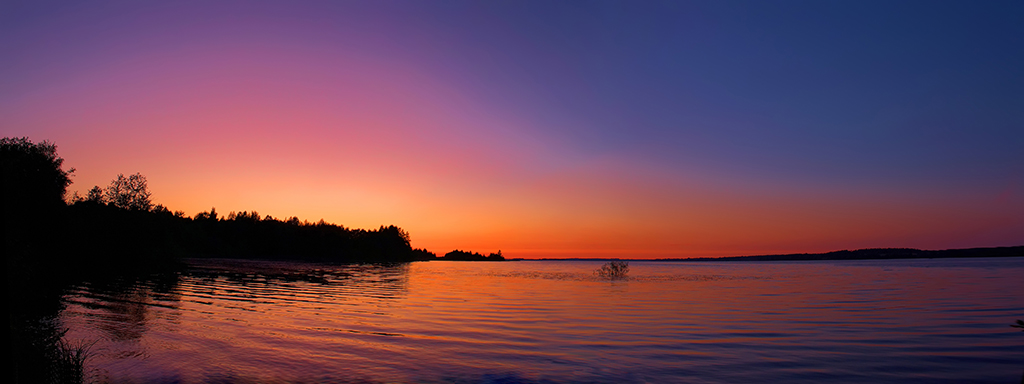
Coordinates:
119	226
459	255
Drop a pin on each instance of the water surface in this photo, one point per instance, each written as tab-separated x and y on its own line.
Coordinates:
943	320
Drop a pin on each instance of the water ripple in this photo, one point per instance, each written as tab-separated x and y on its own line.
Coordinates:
856	322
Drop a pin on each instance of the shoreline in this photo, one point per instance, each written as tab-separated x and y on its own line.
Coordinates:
860	254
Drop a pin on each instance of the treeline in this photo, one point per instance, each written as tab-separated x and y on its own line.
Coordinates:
119	226
459	255
105	231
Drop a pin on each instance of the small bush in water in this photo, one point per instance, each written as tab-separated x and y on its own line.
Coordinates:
613	270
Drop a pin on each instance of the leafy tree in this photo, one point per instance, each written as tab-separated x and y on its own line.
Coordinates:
130	192
423	255
31	175
396	232
95	195
496	256
208	216
251	217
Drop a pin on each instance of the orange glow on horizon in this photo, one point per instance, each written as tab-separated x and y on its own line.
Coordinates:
362	139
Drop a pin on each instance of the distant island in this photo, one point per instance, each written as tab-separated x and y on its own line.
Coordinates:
860	254
458	255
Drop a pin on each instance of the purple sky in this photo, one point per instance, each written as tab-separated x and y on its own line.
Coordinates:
546	128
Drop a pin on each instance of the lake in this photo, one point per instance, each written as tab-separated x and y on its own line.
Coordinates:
238	321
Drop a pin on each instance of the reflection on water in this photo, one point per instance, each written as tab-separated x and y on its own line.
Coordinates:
258	321
119	308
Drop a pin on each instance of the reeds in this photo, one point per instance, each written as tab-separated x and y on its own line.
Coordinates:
64	361
67	361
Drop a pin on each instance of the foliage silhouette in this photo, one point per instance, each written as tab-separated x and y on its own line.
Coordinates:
132	237
130	192
31	175
32	189
95	195
458	255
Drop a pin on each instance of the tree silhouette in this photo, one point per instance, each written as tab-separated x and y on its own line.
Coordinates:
460	255
496	256
32	189
119	227
31	175
130	192
208	216
95	195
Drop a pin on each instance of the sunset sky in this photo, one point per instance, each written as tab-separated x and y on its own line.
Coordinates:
631	129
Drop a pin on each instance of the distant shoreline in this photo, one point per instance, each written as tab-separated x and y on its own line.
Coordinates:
860	254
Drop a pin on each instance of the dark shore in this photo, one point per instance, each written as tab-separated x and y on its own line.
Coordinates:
860	254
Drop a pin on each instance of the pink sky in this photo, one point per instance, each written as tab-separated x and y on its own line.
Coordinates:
371	124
